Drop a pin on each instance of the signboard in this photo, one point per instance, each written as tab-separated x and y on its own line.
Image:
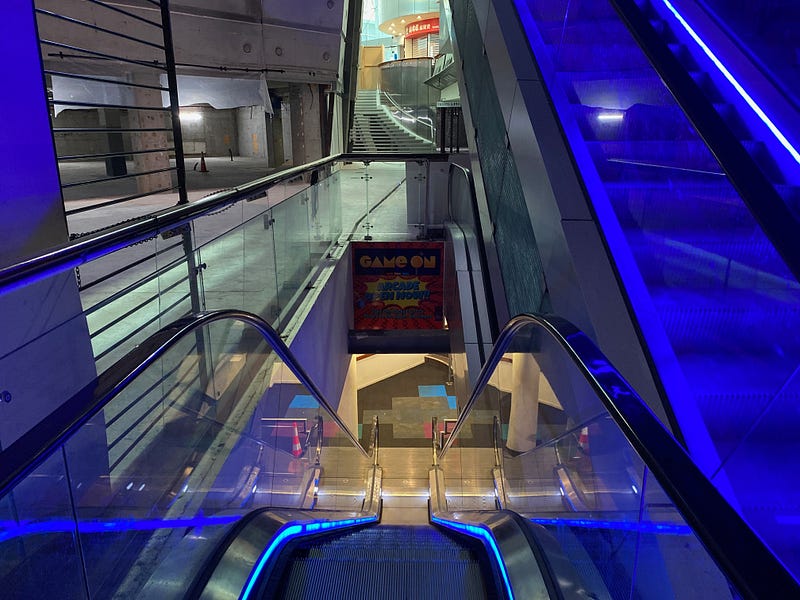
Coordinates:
422	27
398	285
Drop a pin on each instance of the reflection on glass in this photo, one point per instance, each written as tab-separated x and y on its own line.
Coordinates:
719	310
539	441
214	428
39	553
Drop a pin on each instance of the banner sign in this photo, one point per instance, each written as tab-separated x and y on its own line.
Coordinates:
398	285
422	27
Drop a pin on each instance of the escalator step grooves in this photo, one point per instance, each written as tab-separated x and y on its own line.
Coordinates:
383	562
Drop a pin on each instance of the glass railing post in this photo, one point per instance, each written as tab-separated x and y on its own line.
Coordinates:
366	178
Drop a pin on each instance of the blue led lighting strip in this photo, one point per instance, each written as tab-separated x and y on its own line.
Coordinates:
660	528
732	80
291	531
13	529
482	533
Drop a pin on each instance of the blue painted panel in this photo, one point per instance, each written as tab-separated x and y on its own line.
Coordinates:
303	401
432	391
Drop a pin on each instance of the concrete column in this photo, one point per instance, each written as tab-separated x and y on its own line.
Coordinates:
111	118
148	119
348	405
306	123
44	345
524	419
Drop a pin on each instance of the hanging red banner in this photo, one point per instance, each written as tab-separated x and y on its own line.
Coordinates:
398	285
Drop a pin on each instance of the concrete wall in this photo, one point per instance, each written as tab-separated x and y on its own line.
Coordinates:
45	349
214	133
251	129
320	342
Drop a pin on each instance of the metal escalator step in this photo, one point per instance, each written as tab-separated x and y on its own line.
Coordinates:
384	562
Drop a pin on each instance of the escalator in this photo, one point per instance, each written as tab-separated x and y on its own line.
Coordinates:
705	258
240	517
383	561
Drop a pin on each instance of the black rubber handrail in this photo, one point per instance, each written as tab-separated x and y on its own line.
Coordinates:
738	551
29	451
755	189
70	255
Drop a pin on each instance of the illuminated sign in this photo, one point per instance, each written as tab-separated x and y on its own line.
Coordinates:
422	27
398	285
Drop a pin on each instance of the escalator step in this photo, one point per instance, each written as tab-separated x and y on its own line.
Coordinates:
383	562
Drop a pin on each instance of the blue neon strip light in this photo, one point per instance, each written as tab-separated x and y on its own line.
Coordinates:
12	529
291	531
657	528
732	80
484	534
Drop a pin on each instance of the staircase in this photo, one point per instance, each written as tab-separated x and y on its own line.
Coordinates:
375	130
383	561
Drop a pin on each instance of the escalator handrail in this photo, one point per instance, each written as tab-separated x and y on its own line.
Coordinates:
755	189
91	247
34	447
739	552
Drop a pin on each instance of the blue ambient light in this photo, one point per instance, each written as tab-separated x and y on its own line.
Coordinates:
732	80
12	529
484	534
644	527
291	531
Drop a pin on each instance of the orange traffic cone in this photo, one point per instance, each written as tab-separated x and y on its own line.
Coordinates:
583	440
203	168
297	449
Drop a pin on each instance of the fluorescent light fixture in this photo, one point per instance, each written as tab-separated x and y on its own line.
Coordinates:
191	116
610	117
732	80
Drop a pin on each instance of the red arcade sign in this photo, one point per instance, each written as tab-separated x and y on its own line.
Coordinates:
398	285
422	27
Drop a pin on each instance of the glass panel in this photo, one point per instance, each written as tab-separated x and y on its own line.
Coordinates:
761	29
39	553
410	102
720	307
213	429
120	294
292	234
567	466
382	212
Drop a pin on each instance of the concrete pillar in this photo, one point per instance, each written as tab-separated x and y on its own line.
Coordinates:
148	119
306	123
45	348
111	118
524	419
348	405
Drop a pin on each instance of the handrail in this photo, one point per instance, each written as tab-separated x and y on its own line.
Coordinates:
739	552
476	223
755	189
405	112
73	254
30	450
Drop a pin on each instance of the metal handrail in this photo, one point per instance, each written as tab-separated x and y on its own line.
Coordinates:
739	552
405	112
70	255
30	450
